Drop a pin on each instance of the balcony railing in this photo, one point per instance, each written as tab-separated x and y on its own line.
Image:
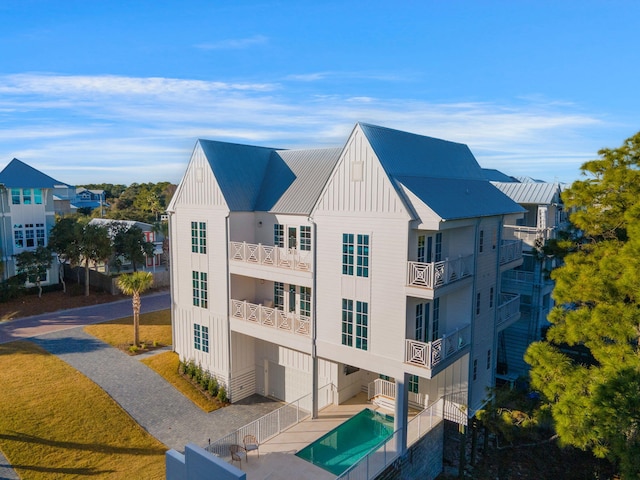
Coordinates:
290	258
508	308
271	317
532	236
437	274
430	354
510	250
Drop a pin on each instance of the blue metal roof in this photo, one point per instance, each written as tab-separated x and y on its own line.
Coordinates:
537	193
18	174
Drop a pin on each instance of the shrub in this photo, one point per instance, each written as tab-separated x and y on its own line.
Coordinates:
191	368
181	367
13	287
133	349
212	387
222	394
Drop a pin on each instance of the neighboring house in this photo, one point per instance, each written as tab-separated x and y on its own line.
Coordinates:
27	213
149	235
545	216
374	266
89	199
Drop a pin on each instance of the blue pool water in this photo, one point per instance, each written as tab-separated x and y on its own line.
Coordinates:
343	446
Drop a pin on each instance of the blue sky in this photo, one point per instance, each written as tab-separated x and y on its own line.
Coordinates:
118	91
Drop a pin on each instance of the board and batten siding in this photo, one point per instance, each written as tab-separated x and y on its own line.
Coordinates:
198	186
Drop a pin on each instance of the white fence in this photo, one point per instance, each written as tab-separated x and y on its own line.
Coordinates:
437	274
290	258
508	309
271	317
432	353
510	250
273	423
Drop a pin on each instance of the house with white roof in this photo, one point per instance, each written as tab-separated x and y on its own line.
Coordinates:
543	220
27	213
372	267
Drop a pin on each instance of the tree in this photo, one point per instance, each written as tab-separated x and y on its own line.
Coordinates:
34	264
134	284
64	240
594	398
162	228
129	242
93	246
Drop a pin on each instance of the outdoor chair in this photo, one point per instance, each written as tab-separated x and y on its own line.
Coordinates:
250	443
235	454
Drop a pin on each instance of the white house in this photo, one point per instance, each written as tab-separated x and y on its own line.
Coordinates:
373	266
27	213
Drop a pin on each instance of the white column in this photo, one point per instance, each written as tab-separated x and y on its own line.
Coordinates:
402	411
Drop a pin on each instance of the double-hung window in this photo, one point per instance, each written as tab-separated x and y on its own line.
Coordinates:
347	322
15	196
26	196
347	253
205	339
362	269
435	327
362	325
278	295
305	301
413	383
355	251
197	337
199	284
305	238
278	235
198	237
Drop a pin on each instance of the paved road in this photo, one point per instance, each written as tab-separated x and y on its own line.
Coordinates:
28	327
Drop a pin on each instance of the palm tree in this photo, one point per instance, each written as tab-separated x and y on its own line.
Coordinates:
134	284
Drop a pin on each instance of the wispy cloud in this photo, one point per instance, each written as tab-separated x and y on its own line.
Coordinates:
124	129
233	43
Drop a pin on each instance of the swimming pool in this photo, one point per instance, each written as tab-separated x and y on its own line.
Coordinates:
343	446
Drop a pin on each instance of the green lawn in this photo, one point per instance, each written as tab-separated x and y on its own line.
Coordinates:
56	423
154	327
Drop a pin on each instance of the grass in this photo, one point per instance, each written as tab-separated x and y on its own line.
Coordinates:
166	365
155	328
56	423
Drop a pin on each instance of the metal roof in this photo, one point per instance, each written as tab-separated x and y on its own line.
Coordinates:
497	176
531	192
455	198
295	179
18	174
403	153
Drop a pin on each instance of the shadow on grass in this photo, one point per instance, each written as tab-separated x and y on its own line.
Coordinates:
59	346
82	471
91	447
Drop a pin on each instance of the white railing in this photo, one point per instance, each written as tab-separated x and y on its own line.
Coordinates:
290	258
518	276
437	274
386	452
455	407
529	235
273	423
381	387
430	354
508	308
510	250
271	317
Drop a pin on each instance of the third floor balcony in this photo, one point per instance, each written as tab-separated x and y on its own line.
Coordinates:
271	257
434	275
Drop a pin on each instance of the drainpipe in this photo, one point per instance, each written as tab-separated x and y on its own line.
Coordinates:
314	320
172	287
226	249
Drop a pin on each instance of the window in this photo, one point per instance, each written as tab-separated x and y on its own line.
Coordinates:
197	337
438	247
26	196
293	237
488	359
305	238
15	196
491	297
478	303
475	369
198	237
347	253
199	284
363	256
347	322
292	298
435	329
481	242
37	196
385	377
420	322
429	257
305	301
421	245
413	383
29	235
362	325
278	235
278	295
18	236
205	339
494	238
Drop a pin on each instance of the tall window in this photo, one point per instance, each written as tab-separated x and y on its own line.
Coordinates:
199	284
438	247
18	236
278	235
197	337
478	303
347	253
15	196
292	298
278	295
37	196
347	322
481	242
421	246
413	383
420	322
491	297
362	325
435	327
198	237
205	339
293	237
305	238
305	301
475	369
363	256
26	196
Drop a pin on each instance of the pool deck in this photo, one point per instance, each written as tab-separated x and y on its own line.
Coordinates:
277	460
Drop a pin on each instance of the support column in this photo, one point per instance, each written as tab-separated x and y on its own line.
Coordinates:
402	411
314	387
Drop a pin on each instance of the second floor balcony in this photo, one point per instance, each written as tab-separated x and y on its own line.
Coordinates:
271	317
271	256
508	310
437	274
431	354
510	251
